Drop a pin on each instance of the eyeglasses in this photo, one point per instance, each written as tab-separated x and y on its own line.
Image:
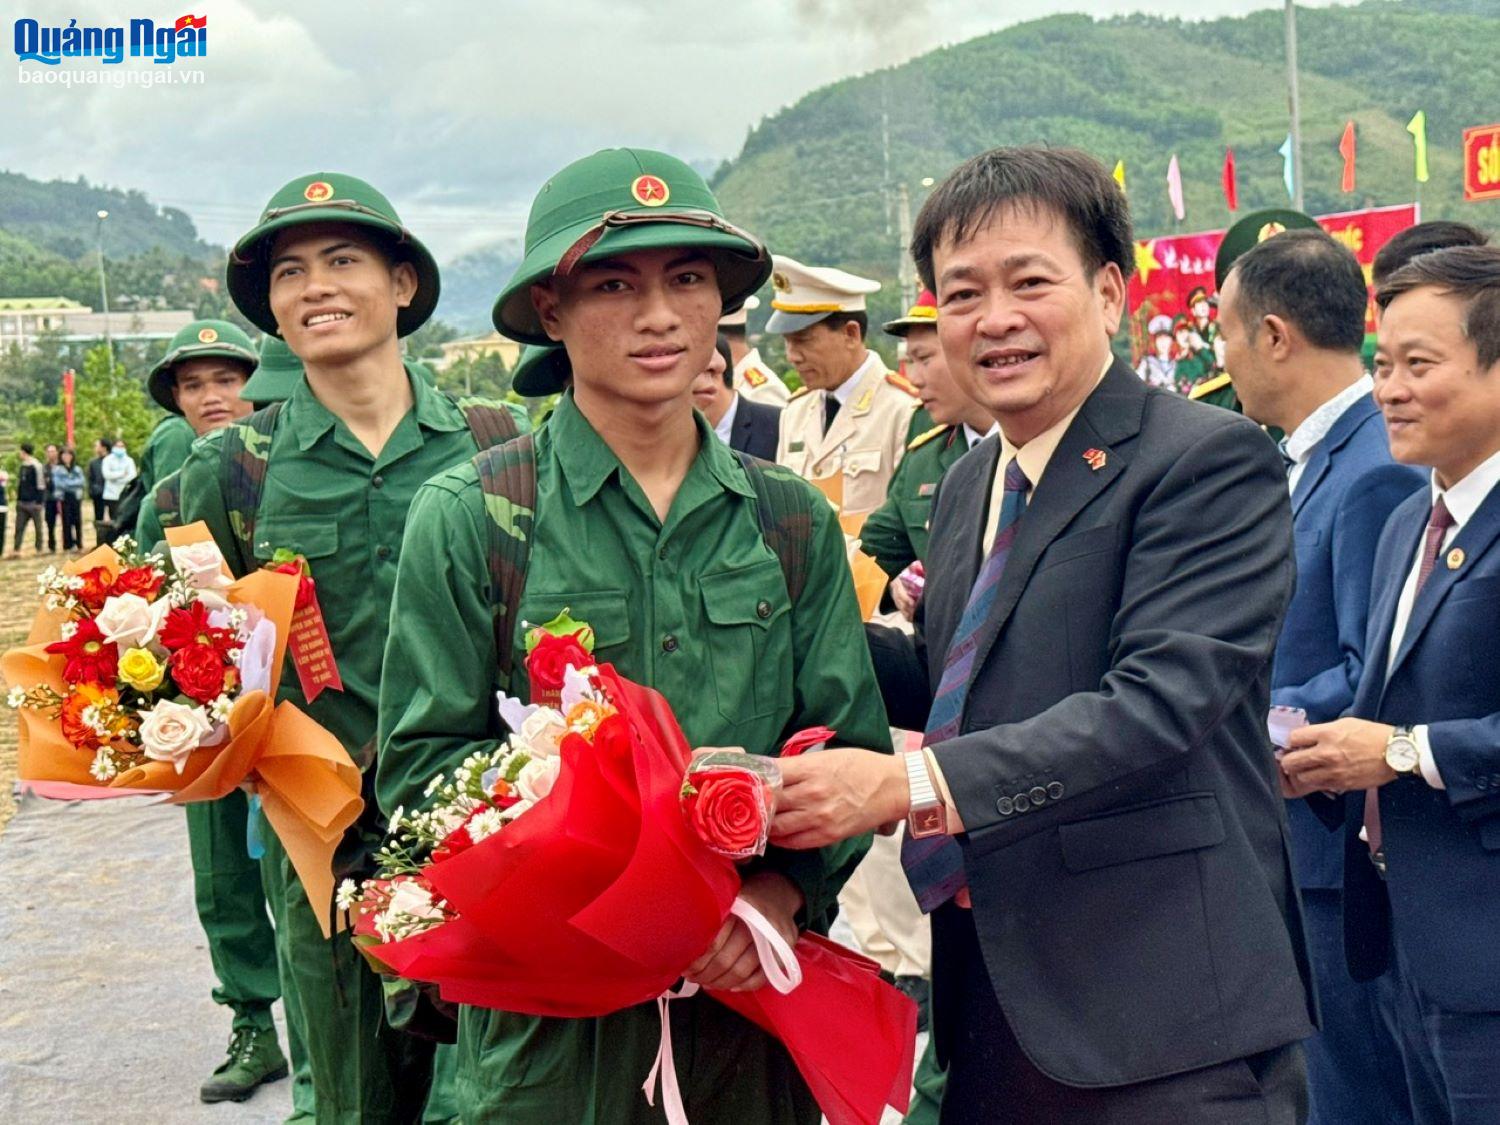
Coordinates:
616	220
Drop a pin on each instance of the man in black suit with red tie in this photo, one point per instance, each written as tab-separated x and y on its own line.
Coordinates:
1094	821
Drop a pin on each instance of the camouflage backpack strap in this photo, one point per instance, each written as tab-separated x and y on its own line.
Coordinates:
168	500
245	455
489	421
783	505
507	478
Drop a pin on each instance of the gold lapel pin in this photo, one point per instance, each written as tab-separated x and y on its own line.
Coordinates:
1455	558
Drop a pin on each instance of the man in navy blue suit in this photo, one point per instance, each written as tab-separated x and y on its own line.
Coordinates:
1292	317
1422	865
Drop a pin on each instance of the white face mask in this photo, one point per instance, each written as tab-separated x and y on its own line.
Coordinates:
119	451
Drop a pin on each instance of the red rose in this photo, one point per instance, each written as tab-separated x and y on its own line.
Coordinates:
200	672
95	588
142	580
806	740
550	659
731	811
306	589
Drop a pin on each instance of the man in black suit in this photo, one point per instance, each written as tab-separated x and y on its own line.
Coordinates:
744	426
1095	821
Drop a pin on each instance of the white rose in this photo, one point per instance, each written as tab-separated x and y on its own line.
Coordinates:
130	621
200	565
537	777
171	731
543	731
409	910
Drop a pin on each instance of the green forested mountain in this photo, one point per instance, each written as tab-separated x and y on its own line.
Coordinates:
60	217
812	179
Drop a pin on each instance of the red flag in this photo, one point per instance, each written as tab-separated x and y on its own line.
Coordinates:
1346	147
1231	191
68	401
190	20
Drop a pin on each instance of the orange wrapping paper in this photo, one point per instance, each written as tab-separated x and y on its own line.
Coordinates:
308	785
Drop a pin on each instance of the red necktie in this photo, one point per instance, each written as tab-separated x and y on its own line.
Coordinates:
1437	529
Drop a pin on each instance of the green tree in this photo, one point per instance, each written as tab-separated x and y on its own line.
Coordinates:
107	401
425	342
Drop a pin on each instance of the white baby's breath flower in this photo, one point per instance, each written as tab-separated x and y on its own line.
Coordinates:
67	630
220	709
75	582
348	894
433	786
92	717
16	697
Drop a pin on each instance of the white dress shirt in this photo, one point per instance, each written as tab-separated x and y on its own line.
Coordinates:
973	437
1301	442
1462	500
845	390
726	423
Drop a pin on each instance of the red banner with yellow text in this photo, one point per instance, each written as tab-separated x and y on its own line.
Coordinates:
1172	290
1482	162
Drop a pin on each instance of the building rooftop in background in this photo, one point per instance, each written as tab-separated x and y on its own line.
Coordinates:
23	319
494	344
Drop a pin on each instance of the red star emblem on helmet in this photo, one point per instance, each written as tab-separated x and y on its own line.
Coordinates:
650	191
207	336
317	191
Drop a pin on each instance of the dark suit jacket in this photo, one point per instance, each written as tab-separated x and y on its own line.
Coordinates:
1347	491
1126	844
1442	846
755	428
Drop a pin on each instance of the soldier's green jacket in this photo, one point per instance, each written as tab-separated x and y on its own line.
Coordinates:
895	534
166	450
327	499
695	607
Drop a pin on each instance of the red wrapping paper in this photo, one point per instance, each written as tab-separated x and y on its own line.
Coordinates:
599	896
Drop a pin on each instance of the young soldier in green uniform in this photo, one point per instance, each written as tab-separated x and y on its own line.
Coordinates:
198	382
653	533
168	444
328	475
895	534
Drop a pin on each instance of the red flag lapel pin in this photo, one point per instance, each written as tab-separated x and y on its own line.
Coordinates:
1096	458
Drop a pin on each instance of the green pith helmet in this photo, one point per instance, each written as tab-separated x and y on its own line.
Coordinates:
327	197
202	339
618	201
278	374
1254	228
542	370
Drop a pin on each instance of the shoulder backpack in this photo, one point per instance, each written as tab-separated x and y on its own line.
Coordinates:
507	478
246	449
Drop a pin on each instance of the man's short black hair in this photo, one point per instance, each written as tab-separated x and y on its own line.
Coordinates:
1066	181
836	321
721	345
27	449
734	331
1424	238
1307	279
1471	273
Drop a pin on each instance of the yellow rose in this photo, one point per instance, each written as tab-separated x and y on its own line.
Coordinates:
141	670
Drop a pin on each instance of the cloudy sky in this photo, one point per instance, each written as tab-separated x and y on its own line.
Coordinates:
460	116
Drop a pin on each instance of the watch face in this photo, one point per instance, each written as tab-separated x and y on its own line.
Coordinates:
927	822
1401	755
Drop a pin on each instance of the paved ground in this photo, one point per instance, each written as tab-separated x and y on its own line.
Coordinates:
105	1013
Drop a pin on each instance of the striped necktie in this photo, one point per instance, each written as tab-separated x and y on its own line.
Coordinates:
934	865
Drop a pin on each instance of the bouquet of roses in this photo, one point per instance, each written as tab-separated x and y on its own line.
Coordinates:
589	815
144	674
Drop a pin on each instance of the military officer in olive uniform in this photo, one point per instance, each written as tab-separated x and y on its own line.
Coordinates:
328	474
752	378
895	534
853	416
647	528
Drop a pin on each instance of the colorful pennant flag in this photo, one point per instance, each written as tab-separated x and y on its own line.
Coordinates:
1231	186
1286	167
1174	188
1346	149
1417	127
1119	173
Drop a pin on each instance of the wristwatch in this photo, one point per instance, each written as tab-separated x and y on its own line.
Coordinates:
1401	752
928	815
